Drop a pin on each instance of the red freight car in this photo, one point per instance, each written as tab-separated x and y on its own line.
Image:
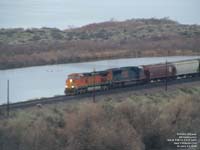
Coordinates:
159	71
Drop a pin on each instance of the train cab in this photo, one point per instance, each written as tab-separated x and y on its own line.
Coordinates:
84	82
72	82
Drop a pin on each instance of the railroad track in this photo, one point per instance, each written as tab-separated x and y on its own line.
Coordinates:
63	98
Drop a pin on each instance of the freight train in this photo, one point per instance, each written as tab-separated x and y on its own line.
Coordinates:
78	83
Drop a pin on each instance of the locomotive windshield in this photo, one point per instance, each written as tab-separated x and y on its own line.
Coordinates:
74	76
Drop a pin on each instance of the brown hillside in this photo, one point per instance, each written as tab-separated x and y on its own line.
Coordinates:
113	39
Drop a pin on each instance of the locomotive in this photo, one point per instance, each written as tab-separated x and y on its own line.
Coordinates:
78	83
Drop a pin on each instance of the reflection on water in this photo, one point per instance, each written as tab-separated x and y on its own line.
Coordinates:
47	81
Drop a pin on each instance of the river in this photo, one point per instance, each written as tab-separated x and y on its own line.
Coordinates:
47	81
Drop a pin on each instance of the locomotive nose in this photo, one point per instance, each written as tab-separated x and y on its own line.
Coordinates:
69	84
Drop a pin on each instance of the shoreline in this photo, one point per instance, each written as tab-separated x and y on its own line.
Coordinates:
93	60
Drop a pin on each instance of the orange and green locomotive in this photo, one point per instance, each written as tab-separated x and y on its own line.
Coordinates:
78	83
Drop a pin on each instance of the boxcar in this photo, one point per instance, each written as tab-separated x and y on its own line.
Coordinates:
159	71
186	67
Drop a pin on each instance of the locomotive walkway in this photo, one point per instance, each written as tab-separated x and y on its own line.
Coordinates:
140	88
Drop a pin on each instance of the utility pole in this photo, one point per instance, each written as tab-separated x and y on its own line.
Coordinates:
94	92
199	67
8	98
136	54
166	75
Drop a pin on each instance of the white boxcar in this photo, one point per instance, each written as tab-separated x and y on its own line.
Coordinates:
186	67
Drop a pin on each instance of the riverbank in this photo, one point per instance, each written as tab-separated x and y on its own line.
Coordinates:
126	39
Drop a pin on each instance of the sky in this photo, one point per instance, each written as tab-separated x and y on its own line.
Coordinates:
64	13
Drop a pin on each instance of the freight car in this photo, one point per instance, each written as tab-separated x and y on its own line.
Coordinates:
187	68
78	83
159	71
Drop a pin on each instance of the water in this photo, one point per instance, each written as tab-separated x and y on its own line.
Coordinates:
61	13
47	81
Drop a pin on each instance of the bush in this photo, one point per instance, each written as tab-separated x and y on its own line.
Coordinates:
124	125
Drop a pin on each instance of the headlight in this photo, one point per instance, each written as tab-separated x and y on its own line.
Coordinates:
72	86
70	80
66	86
